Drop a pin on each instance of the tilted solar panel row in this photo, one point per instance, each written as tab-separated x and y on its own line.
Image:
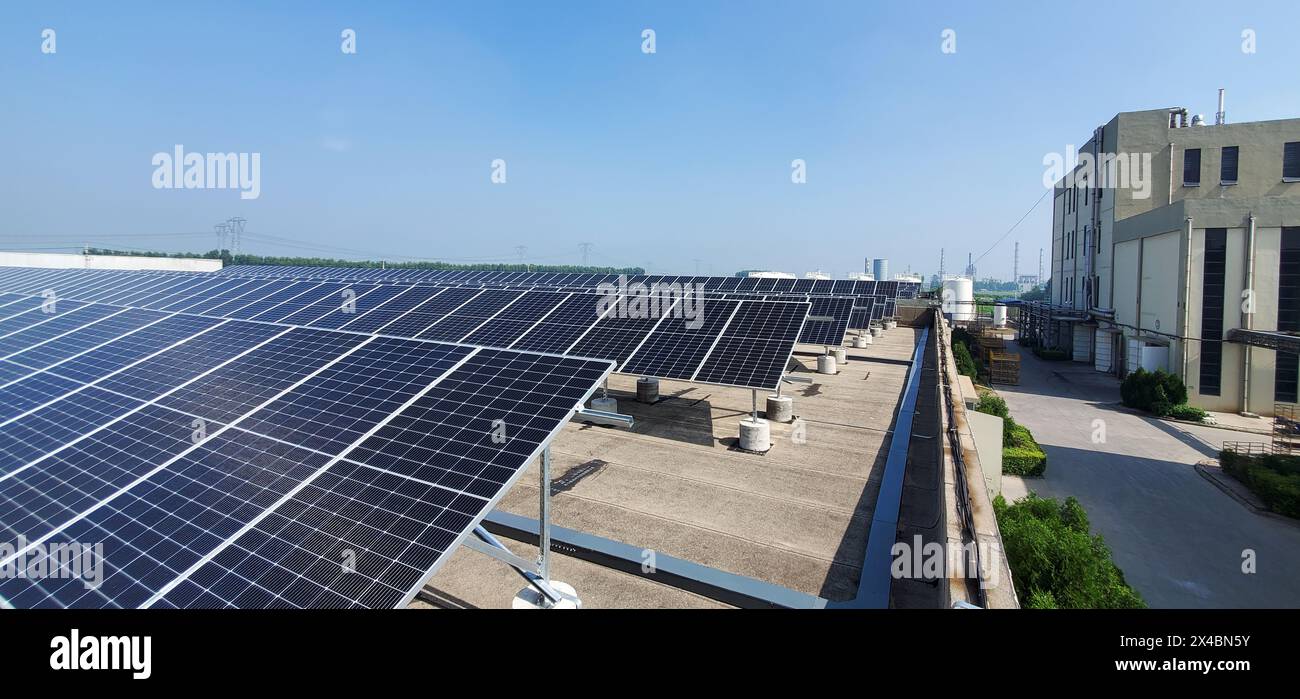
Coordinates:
231	463
819	287
573	323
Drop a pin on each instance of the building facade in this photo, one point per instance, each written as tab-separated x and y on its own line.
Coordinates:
1169	236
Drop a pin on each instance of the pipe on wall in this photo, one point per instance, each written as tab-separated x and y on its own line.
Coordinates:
1184	332
1247	319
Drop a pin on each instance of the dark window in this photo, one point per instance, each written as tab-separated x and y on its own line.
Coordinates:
1216	246
1291	161
1192	167
1228	167
1288	312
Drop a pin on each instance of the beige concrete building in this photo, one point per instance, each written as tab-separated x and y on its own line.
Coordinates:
1170	238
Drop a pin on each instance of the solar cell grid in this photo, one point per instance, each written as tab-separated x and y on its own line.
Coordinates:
236	388
410	300
156	375
827	332
676	349
469	316
53	326
336	407
340	312
427	313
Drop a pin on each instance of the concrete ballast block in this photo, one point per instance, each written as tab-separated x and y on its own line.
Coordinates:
755	434
780	408
647	389
861	341
841	356
609	405
825	364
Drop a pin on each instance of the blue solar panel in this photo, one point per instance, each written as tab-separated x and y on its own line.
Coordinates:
756	346
227	463
827	332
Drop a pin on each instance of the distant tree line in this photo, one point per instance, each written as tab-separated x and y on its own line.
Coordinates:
242	259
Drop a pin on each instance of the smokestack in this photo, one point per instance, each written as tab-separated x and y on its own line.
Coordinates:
1220	117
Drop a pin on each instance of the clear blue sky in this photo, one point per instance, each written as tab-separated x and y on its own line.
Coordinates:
659	160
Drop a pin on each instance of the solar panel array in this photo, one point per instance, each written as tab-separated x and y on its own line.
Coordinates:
223	462
574	323
758	285
874	300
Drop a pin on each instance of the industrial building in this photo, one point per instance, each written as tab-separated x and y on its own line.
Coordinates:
877	267
1176	246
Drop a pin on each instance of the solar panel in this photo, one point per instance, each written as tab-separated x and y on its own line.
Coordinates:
504	317
756	345
332	469
827	332
680	344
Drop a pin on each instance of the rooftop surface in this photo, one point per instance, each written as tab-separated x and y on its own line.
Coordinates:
797	516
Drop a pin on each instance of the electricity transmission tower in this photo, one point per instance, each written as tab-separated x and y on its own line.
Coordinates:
521	250
586	248
221	229
236	233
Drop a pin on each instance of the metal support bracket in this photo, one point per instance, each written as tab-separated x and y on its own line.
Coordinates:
537	574
603	417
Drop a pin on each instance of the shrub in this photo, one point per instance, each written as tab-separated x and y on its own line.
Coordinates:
1187	412
1275	478
1281	492
1158	392
1055	560
965	362
991	404
1021	455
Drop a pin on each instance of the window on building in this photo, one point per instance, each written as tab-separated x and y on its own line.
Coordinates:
1228	166
1212	294
1291	162
1288	313
1192	167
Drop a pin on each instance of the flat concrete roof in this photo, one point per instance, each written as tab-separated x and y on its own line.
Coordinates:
796	516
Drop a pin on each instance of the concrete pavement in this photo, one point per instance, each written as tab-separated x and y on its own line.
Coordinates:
1179	540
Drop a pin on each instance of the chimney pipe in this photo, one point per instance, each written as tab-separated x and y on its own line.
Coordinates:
1220	117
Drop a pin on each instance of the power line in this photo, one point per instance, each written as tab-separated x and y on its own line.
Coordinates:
1017	224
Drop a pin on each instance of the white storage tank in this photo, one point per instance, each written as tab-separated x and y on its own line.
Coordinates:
959	299
999	315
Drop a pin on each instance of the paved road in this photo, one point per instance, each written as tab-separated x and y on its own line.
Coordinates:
1178	538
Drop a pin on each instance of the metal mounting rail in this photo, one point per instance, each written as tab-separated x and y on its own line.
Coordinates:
729	588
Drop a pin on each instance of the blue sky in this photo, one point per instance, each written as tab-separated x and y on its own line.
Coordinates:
658	160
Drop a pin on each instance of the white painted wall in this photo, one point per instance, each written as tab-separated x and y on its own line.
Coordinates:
53	260
987	431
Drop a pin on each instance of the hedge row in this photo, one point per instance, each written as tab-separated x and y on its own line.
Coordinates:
1274	478
1056	561
1021	455
1024	457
